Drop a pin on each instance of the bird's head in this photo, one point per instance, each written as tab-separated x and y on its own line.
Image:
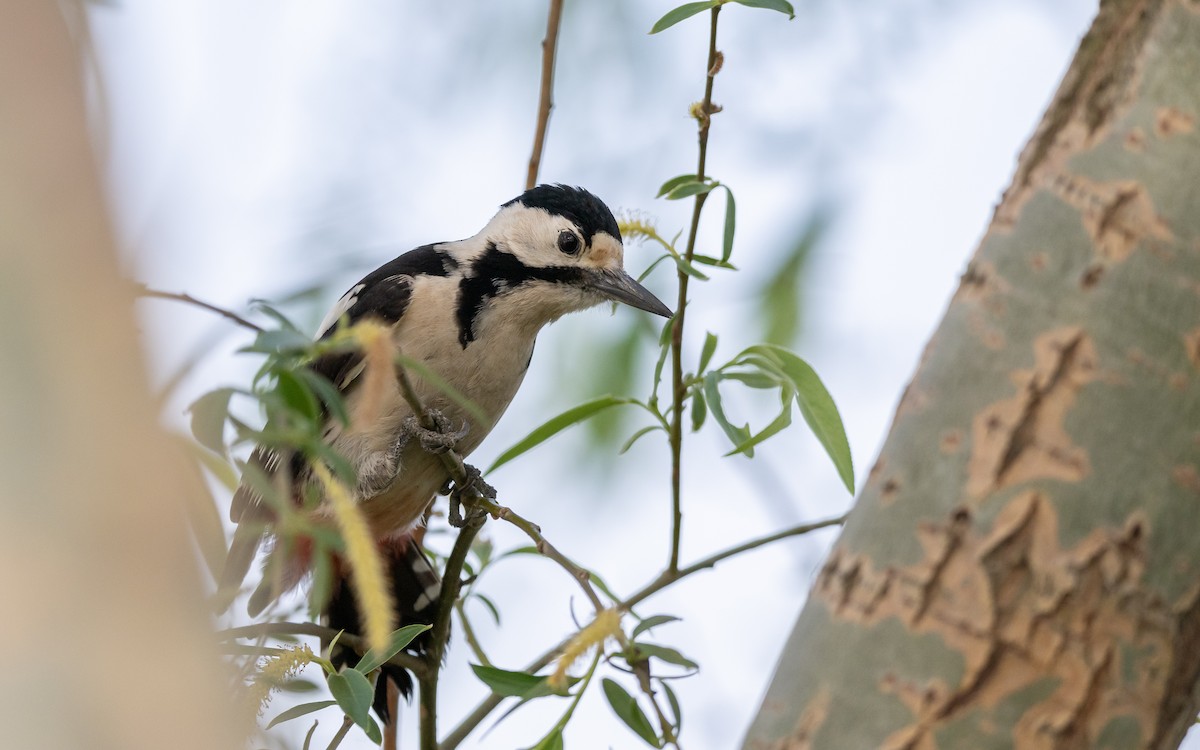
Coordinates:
556	249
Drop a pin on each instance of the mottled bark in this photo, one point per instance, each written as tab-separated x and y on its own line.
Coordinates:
1022	568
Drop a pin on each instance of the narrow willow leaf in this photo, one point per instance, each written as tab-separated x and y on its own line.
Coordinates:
372	730
730	223
637	436
628	711
279	342
817	408
270	311
297	396
672	17
552	741
645	274
208	419
777	425
353	693
706	353
752	379
327	393
652	622
556	425
675	182
708	260
676	711
712	393
491	606
321	590
507	683
373	659
686	267
688	189
599	583
699	410
295	712
667	654
782	6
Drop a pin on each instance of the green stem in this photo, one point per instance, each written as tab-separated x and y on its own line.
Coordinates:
678	389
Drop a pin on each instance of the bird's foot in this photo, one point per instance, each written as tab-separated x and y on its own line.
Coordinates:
475	486
442	437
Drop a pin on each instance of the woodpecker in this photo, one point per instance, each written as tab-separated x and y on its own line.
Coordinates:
470	312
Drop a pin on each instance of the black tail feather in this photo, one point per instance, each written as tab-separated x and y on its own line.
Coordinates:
416	588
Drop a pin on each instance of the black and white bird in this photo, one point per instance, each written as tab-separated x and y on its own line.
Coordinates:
470	311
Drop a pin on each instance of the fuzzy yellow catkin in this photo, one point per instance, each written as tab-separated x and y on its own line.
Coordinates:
606	625
366	566
276	670
379	354
636	227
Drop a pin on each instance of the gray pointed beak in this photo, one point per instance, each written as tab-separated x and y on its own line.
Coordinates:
621	287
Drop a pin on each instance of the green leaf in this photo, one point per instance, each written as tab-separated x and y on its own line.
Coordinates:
627	709
712	393
552	741
637	436
372	730
699	410
710	346
817	408
730	222
373	659
507	683
327	393
297	396
688	189
208	419
667	654
708	260
298	686
676	711
491	606
295	712
279	342
782	6
652	622
267	309
675	182
353	693
321	590
752	379
599	583
674	16
685	266
779	300
556	425
780	423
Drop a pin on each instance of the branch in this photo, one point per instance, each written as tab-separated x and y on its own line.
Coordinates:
545	104
412	663
481	712
581	575
678	388
146	291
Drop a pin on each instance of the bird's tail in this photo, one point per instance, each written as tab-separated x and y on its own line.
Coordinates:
416	588
242	549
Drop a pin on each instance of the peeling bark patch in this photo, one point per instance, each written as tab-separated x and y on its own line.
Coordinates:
1135	140
1169	121
951	441
1191	344
1117	215
1023	438
811	719
1091	277
1186	476
1023	612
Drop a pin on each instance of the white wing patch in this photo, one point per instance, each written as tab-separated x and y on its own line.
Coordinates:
342	306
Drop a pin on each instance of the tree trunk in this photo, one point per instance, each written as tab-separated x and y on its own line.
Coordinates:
1023	568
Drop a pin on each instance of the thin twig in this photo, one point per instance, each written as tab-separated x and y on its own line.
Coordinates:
406	661
678	388
341	733
481	712
146	291
469	634
545	99
581	575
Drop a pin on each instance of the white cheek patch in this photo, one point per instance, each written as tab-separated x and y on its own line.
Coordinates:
342	306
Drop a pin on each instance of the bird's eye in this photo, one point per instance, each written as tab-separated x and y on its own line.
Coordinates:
568	242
